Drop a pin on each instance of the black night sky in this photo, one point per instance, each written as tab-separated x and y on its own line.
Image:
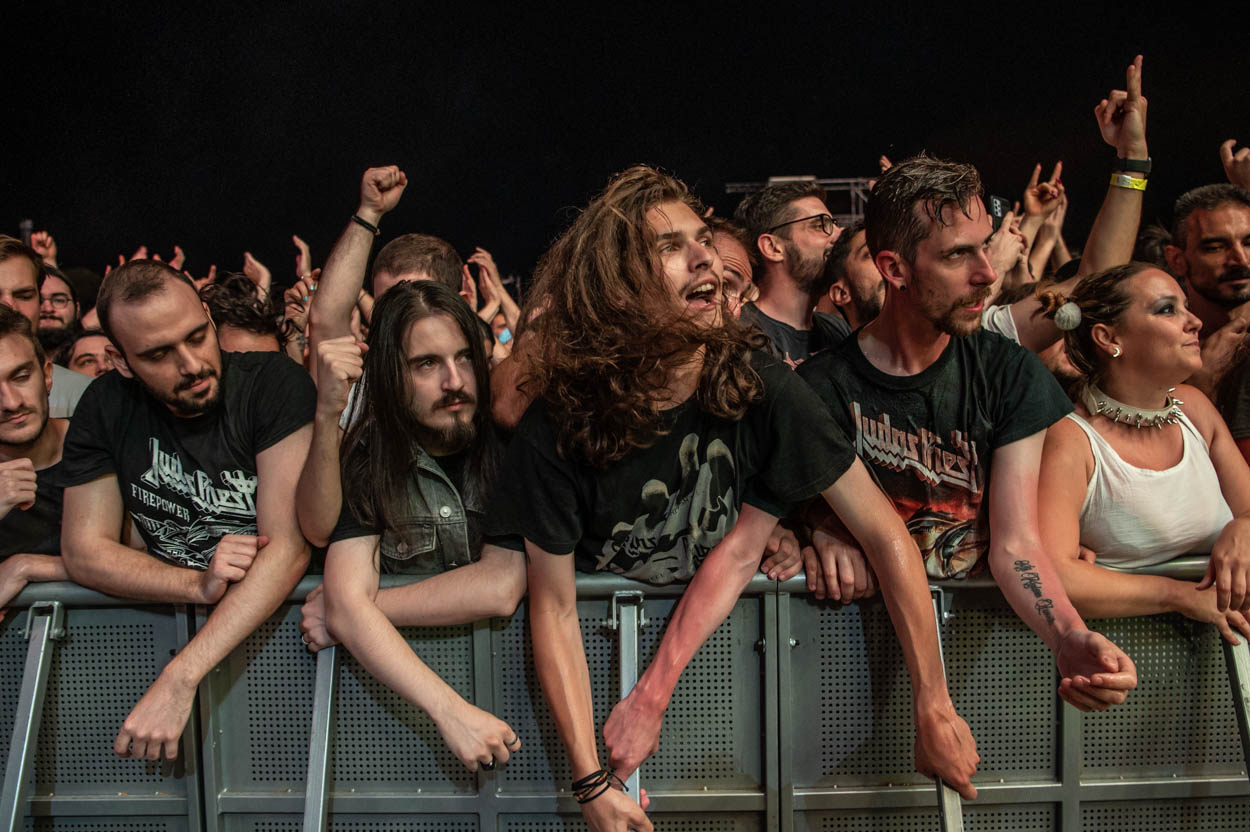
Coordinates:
222	128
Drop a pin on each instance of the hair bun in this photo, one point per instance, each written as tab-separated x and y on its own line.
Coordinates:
1068	316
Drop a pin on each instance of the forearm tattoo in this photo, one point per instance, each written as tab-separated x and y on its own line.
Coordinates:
1032	581
1029	577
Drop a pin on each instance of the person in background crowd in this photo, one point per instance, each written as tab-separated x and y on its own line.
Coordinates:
245	320
30	456
58	309
87	353
203	449
856	288
739	258
793	233
21	274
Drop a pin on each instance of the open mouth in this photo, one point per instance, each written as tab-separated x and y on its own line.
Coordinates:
704	293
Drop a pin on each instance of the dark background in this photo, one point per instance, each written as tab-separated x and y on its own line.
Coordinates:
223	129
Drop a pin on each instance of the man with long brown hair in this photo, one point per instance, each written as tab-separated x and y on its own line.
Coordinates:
663	446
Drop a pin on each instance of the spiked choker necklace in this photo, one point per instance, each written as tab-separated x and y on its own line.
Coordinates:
1099	403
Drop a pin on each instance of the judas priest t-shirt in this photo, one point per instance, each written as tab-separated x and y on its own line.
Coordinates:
187	482
656	513
928	439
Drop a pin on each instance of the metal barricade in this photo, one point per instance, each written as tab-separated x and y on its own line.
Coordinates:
88	660
795	716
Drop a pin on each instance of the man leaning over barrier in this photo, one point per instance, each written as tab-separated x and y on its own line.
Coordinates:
418	462
951	419
30	456
655	414
203	449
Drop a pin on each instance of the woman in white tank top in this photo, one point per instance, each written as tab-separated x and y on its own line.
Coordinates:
1145	469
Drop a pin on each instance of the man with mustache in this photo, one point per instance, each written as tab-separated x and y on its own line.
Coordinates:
1210	255
933	403
408	482
203	449
793	232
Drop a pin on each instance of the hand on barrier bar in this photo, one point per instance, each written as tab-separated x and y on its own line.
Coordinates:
1229	568
781	555
477	738
615	811
632	733
1202	606
231	560
945	748
155	725
1096	673
837	570
313	621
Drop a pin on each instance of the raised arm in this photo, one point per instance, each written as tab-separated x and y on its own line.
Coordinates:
338	364
344	271
1121	120
944	744
158	719
560	661
1096	673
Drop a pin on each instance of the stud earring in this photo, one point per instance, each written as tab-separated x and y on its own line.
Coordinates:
1116	354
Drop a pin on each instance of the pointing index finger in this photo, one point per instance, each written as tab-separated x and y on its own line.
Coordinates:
1132	78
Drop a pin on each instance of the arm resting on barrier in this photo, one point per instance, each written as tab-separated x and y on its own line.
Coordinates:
1096	673
18	570
944	744
560	661
353	617
159	717
91	524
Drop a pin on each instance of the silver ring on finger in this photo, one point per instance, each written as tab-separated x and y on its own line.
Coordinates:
305	640
489	766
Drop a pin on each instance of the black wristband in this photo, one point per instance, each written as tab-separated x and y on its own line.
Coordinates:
1134	165
366	225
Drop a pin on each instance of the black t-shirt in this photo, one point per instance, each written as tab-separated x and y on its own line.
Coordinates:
37	530
794	346
187	482
928	438
1234	400
654	514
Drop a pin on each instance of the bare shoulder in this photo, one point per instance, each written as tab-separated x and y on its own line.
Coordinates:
1067	448
1200	409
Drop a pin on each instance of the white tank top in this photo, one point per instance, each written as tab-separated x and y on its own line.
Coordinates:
1136	517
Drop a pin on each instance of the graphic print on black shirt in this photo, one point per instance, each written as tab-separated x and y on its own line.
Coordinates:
655	514
676	531
187	482
941	499
928	439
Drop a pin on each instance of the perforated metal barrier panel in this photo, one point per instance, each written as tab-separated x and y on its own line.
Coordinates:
836	750
101	668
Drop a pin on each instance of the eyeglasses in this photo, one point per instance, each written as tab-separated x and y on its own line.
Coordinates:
825	221
58	301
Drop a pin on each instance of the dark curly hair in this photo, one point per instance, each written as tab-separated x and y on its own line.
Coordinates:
606	332
233	301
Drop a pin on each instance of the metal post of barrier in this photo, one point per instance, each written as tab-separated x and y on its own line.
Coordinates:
45	623
626	617
950	810
321	736
1237	660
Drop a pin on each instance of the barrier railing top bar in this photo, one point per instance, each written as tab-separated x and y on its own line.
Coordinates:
598	585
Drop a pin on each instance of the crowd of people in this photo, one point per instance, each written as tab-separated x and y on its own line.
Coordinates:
938	391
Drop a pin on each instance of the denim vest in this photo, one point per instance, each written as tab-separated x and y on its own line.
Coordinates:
435	530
